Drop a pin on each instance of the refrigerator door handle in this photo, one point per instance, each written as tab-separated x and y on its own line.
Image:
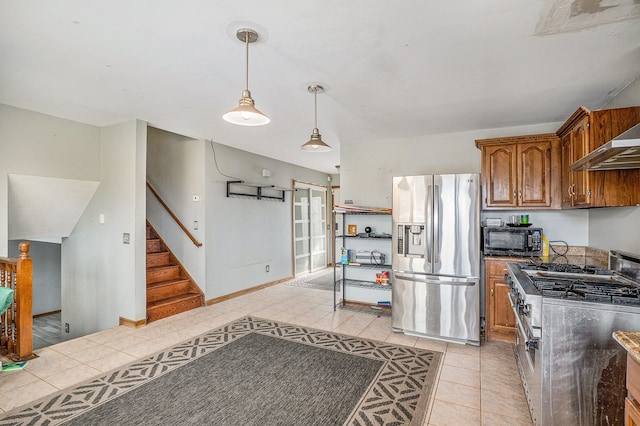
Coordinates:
429	228
436	225
464	282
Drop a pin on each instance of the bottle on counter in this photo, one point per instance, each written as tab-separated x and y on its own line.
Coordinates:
545	246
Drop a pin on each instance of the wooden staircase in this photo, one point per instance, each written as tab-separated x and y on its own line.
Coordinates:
170	289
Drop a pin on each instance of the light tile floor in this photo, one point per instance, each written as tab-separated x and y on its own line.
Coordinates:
476	386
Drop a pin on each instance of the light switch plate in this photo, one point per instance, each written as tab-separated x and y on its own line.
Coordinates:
125	238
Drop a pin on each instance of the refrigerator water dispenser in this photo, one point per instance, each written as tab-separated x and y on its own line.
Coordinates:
411	240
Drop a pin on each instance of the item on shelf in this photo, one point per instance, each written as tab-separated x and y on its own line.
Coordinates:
524	219
363	235
371	257
360	209
343	256
367	229
514	219
352	229
493	221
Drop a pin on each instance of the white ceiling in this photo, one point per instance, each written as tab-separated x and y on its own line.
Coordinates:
391	68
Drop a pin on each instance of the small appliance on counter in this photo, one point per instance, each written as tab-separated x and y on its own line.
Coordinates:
493	221
512	241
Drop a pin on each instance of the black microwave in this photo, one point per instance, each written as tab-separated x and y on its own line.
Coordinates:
512	241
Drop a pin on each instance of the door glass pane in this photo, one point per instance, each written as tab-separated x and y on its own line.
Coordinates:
302	229
302	265
302	247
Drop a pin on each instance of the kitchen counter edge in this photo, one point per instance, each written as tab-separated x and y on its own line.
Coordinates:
629	340
579	260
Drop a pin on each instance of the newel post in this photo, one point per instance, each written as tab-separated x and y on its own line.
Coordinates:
24	302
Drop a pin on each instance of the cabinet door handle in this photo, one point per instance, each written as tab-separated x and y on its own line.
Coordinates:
491	292
514	194
569	191
520	194
573	190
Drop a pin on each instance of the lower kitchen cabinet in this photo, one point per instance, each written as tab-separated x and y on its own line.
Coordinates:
500	321
632	403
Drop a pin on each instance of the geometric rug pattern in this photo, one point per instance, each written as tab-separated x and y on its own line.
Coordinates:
399	395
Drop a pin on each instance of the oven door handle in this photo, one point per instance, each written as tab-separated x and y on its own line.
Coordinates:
530	343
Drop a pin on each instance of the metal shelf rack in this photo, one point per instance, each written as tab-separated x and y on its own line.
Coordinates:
239	188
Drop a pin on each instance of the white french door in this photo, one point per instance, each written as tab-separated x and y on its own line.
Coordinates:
310	227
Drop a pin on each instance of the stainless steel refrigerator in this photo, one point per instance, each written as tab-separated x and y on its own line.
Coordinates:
436	256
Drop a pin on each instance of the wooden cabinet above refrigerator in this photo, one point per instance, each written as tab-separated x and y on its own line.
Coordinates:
584	132
521	172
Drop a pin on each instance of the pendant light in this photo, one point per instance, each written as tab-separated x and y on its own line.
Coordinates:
315	144
246	114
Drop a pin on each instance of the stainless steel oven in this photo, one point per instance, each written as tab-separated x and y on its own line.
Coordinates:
527	351
572	370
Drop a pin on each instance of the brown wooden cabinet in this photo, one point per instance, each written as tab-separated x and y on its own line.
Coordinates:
500	321
520	172
632	402
581	134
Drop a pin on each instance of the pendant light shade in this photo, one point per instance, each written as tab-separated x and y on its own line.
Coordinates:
315	144
246	114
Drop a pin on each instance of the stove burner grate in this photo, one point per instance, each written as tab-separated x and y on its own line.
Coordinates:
565	267
617	293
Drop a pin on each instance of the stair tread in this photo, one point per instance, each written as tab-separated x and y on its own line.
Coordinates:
167	282
155	253
173	299
161	267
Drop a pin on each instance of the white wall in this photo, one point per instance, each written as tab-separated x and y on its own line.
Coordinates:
42	145
176	170
103	278
46	274
617	228
243	235
366	169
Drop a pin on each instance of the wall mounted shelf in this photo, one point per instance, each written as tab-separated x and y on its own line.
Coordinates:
239	188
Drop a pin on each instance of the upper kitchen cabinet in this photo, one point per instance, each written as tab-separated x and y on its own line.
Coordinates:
584	132
520	172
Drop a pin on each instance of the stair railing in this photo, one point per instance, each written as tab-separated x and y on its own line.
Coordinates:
175	218
16	323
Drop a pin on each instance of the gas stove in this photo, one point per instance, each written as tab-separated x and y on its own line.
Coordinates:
589	283
565	316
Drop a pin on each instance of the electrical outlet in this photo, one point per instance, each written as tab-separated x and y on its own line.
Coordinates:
266	269
66	327
126	237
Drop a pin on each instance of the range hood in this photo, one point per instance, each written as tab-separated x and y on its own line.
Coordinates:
621	152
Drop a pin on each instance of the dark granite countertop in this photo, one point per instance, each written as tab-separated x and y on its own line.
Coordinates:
581	256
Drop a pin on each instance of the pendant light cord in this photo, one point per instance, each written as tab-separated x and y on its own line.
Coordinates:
315	108
246	62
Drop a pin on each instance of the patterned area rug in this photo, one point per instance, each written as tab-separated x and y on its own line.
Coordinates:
322	280
385	384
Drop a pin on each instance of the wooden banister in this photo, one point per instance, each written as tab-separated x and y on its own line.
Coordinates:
175	218
16	330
